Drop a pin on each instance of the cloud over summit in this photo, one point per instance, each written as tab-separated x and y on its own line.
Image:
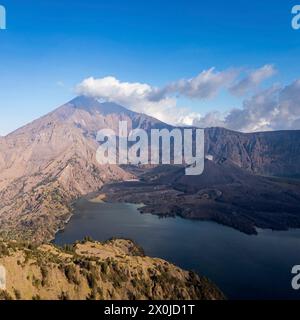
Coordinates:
160	102
136	96
274	108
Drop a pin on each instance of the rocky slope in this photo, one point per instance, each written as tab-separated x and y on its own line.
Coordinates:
113	270
274	153
49	163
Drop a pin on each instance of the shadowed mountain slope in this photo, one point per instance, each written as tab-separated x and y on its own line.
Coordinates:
224	193
268	153
49	163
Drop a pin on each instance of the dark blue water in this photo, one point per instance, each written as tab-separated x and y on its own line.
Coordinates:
244	267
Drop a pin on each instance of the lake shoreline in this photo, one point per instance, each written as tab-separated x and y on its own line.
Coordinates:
243	266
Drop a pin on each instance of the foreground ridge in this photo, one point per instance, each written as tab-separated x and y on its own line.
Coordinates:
116	269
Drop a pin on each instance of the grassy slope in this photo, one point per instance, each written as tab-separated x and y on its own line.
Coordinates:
116	269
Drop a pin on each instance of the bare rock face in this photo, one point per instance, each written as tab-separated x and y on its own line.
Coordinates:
49	163
267	153
115	270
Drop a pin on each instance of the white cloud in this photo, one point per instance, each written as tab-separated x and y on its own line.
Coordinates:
112	89
208	83
211	119
271	109
157	102
205	85
276	108
253	80
137	97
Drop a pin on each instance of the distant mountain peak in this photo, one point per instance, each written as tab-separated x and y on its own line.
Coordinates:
90	103
84	102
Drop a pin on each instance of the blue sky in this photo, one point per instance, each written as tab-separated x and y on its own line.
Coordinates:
51	46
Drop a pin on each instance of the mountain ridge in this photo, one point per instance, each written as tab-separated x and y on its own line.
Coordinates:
50	162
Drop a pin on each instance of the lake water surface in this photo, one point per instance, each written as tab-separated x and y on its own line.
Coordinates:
244	267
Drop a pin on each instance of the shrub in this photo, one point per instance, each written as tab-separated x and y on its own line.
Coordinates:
88	239
64	296
3	250
71	275
69	248
91	280
17	294
104	267
4	295
44	272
